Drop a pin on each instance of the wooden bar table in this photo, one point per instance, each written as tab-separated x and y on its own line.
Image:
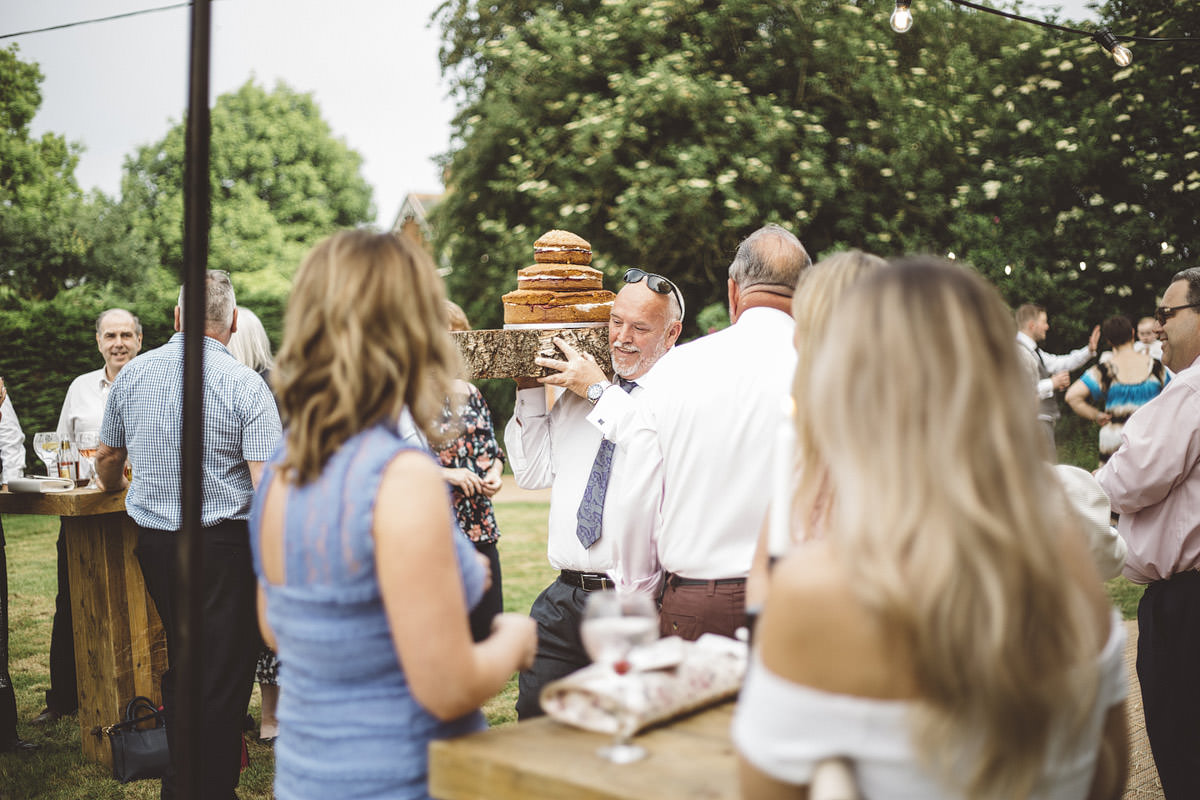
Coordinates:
120	647
691	758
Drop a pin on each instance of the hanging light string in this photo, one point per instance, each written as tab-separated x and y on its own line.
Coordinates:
902	21
77	23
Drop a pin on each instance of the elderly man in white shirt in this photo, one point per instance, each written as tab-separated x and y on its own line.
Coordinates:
600	515
119	339
705	430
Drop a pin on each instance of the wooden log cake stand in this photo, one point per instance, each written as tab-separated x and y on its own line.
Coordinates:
120	647
509	353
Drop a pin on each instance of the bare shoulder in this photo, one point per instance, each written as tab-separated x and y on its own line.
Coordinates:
412	494
816	631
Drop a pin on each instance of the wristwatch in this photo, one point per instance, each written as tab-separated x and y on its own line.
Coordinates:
595	390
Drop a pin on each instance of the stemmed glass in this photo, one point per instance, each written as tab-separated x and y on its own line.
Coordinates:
45	444
613	624
88	443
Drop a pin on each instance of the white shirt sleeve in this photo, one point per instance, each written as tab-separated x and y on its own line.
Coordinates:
1069	362
12	442
527	438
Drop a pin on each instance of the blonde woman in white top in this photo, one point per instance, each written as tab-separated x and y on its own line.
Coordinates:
948	635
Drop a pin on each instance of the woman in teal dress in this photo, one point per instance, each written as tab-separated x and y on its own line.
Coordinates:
1111	391
364	588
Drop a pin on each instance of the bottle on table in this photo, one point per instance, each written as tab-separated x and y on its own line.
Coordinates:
68	461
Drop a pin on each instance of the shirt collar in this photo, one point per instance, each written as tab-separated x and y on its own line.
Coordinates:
1027	340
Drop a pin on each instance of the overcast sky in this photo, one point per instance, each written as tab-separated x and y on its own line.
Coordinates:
371	65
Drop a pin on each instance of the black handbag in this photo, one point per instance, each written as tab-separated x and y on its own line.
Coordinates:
139	753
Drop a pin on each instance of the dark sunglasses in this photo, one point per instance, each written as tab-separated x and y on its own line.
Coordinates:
656	283
1164	313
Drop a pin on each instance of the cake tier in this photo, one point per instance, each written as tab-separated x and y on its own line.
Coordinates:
525	306
559	276
562	247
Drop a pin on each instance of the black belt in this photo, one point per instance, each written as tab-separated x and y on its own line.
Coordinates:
679	580
588	581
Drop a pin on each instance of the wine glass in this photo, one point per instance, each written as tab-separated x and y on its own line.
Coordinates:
613	624
45	445
88	443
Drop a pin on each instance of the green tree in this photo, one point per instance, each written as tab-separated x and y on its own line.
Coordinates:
1088	198
41	249
665	132
280	182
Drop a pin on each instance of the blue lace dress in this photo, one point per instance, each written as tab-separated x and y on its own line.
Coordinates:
1120	400
348	725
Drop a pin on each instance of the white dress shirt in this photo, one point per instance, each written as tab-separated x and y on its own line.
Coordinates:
556	449
12	442
83	409
1070	362
705	431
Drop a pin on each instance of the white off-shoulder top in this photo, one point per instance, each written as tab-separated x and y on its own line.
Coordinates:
784	729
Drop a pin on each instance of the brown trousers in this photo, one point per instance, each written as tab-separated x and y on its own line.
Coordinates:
689	610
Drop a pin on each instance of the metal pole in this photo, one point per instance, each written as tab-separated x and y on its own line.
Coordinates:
189	661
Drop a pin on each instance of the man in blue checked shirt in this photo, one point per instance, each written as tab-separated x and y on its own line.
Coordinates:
143	422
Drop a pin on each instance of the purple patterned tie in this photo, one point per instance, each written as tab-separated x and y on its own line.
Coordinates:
591	507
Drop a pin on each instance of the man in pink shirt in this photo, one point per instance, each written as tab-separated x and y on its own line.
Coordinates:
1153	482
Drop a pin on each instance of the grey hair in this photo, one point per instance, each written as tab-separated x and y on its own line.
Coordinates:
249	344
137	323
771	256
1192	276
220	302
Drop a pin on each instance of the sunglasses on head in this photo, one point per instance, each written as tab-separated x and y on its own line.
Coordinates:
656	283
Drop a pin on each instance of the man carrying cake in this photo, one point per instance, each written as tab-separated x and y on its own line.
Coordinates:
599	531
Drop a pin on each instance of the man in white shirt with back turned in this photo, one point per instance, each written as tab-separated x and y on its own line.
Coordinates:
599	531
705	429
119	339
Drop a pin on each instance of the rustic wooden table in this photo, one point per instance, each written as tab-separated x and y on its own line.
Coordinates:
540	759
120	648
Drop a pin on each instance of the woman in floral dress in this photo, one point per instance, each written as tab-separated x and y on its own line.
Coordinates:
472	463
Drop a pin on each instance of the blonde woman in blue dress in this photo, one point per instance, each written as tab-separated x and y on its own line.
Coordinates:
364	586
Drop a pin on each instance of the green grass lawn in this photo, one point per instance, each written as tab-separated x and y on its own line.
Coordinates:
58	771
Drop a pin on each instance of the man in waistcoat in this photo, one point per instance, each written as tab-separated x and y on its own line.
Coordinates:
1049	373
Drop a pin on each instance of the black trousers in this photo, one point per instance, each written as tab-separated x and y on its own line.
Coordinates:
492	602
1168	667
63	694
228	644
558	610
8	698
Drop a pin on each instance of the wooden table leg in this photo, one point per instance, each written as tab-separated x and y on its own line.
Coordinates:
120	647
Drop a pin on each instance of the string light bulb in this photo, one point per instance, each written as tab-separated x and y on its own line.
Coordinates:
1120	52
902	18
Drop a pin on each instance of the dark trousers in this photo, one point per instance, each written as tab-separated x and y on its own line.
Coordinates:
8	698
690	609
63	694
558	610
492	602
228	645
1168	667
1047	426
